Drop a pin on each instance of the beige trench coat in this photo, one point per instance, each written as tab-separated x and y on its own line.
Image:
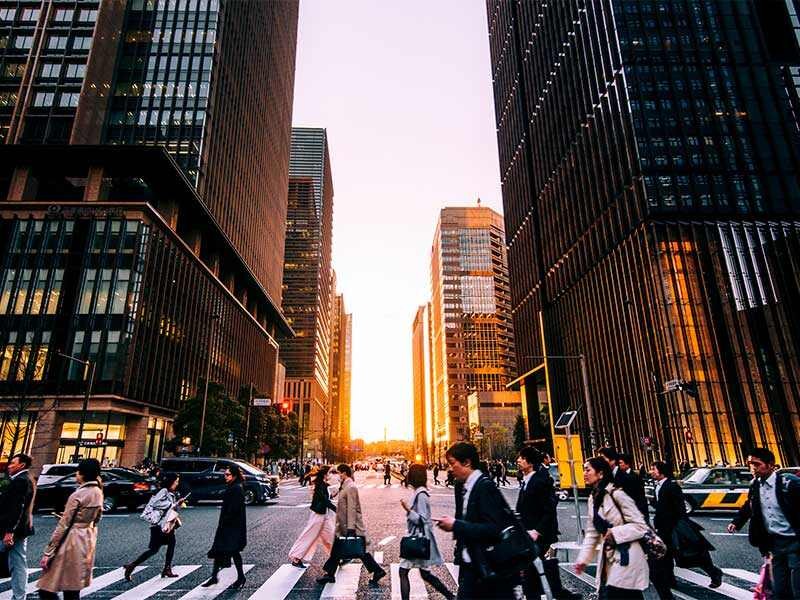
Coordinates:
348	510
72	562
628	526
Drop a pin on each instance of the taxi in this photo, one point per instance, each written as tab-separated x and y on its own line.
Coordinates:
715	488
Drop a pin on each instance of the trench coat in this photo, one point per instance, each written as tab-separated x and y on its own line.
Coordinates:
231	535
628	526
74	540
419	517
348	511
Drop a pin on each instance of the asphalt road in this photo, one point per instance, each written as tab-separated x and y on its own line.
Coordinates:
272	530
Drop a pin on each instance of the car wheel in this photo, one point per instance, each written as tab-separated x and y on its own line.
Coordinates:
689	506
109	503
249	497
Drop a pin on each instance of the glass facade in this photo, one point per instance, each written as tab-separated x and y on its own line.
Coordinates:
650	153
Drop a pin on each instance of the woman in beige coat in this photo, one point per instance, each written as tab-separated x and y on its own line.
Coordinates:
68	559
616	523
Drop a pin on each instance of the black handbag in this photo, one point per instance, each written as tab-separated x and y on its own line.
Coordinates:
5	571
513	552
416	546
349	547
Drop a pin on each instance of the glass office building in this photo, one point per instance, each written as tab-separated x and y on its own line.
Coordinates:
649	158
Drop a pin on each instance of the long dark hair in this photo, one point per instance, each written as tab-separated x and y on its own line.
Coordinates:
236	472
167	479
319	478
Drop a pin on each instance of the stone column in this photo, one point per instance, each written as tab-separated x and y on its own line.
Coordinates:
135	436
44	447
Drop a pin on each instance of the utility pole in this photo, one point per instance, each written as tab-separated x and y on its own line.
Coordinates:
214	318
88	373
247	421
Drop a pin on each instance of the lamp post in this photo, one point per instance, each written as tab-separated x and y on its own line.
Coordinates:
88	369
586	397
214	318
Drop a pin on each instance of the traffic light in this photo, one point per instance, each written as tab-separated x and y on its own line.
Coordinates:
285	408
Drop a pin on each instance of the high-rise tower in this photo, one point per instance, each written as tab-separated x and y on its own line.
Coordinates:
649	154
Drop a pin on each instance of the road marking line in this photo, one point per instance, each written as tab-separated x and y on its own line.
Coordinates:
280	583
226	578
742	574
378	556
726	533
30	572
418	590
452	568
110	578
346	585
720	519
296	505
386	540
156	584
725	589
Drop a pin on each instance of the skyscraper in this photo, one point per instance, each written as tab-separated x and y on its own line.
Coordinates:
307	293
340	378
471	335
159	270
421	370
649	155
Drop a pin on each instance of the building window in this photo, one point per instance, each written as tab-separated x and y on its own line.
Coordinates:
23	42
82	42
29	14
57	42
87	15
8	99
63	15
69	99
7	14
50	71
41	99
14	70
75	71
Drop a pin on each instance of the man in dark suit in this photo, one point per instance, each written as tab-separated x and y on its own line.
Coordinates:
16	521
773	509
536	507
671	510
626	478
480	517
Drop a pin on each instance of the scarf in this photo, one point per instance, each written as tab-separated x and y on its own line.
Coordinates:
602	526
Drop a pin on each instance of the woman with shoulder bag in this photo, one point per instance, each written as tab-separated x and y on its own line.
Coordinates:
321	523
614	520
160	513
68	559
418	520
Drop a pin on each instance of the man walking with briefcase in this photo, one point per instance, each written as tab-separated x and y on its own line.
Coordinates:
350	531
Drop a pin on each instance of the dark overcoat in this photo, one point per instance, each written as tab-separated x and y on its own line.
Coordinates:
231	535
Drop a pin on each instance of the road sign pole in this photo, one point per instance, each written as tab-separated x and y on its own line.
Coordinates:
571	461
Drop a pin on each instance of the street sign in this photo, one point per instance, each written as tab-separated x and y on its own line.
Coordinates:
231	437
93	444
673	385
262	401
565	419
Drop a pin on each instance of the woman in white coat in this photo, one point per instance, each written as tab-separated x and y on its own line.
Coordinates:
616	523
321	523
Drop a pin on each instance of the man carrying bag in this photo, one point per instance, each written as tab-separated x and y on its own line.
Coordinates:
351	534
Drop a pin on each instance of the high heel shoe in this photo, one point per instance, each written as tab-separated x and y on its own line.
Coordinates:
129	571
210	582
239	583
167	572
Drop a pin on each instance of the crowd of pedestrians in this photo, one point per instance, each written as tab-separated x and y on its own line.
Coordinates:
628	551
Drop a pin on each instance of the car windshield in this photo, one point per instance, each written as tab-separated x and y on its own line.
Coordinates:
696	476
246	466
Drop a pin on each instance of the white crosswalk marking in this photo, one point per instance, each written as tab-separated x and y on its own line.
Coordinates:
107	579
280	583
418	590
30	572
453	570
742	574
346	584
386	540
156	584
378	556
226	578
725	589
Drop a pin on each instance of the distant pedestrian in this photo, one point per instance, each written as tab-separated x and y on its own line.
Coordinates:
321	522
231	535
68	560
418	520
616	524
436	474
773	509
16	520
305	475
161	513
387	473
503	473
685	544
625	479
450	480
350	523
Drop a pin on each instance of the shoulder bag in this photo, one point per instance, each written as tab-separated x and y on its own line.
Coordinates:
514	550
653	546
416	546
152	515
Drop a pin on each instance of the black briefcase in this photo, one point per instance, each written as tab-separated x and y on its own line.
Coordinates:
415	547
349	547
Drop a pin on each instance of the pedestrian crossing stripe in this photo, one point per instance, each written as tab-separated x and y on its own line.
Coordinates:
346	585
226	578
418	590
279	584
30	572
156	584
703	580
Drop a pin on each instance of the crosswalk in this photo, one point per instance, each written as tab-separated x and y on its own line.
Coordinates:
109	583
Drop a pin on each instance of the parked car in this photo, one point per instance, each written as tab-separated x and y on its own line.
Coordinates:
119	489
54	472
204	478
791	470
715	488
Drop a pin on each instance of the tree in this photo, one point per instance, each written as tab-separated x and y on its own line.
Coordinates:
498	442
519	432
223	416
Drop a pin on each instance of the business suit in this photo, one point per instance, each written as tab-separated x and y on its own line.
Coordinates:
670	510
536	507
477	525
16	517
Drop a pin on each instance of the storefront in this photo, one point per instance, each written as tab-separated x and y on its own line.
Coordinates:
16	434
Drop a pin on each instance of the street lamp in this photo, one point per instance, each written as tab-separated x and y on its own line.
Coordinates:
88	368
586	397
214	318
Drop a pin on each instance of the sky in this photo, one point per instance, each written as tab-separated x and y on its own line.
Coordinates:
404	90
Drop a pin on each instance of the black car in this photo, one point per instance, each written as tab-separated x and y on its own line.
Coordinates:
121	487
204	477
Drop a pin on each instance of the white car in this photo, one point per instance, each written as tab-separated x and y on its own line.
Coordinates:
52	473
